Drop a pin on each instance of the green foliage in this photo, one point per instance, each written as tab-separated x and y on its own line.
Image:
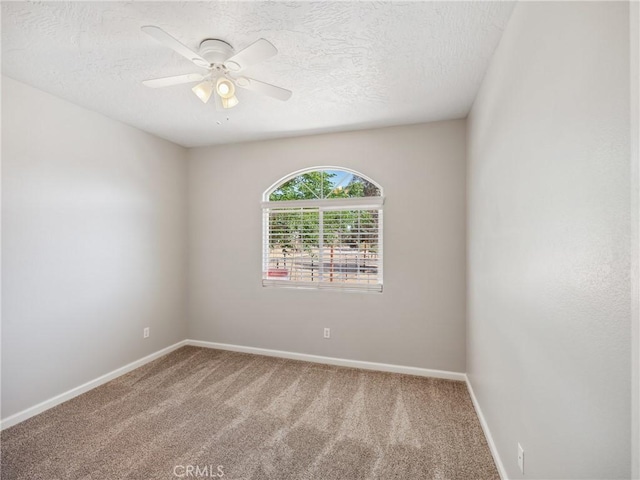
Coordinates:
363	188
320	185
308	186
294	230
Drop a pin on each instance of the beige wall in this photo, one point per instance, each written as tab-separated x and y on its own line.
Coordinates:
418	320
549	233
634	22
93	245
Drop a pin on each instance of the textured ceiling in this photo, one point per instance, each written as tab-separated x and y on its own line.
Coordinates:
350	65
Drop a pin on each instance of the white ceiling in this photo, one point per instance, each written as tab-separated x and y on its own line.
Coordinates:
350	65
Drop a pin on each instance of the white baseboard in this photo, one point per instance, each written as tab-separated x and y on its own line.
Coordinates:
383	367
74	392
487	433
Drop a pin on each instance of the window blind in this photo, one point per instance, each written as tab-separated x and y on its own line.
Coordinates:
323	244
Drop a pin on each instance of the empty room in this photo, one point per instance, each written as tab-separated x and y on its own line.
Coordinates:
319	240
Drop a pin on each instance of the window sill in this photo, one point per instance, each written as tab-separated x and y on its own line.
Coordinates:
271	283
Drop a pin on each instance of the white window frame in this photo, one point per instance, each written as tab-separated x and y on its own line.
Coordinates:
322	205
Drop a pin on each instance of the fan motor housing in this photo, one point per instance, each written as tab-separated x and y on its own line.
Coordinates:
215	51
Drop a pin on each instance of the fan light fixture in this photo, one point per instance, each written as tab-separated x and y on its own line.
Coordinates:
226	90
203	91
220	60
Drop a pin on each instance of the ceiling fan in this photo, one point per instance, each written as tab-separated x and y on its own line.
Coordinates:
223	67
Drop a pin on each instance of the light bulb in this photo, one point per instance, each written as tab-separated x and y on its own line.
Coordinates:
225	88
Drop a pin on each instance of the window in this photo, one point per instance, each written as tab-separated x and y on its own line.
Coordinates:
322	228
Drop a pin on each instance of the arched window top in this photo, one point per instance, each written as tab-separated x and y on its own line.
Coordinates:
321	183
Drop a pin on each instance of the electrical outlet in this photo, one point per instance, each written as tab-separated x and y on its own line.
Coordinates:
145	333
327	333
521	458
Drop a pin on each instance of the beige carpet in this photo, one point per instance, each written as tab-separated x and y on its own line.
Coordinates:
256	418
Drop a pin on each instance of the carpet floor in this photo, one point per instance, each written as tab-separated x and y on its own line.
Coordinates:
202	413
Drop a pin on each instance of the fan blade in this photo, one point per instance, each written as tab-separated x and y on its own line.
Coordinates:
264	88
258	51
167	40
169	81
